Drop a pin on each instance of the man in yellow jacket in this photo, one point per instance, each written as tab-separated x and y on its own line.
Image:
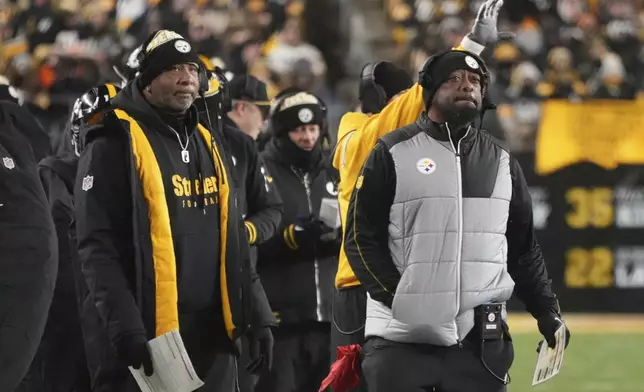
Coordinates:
380	83
357	135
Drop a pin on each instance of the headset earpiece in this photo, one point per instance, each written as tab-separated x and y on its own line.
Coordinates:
204	80
372	95
224	89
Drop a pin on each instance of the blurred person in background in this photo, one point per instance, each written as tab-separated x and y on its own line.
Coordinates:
611	80
298	263
250	105
28	250
289	48
61	364
25	121
325	23
261	208
519	114
561	79
179	193
39	23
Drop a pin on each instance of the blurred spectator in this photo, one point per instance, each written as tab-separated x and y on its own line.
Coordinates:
289	48
563	49
52	51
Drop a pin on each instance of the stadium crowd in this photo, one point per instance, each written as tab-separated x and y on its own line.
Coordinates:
170	166
574	49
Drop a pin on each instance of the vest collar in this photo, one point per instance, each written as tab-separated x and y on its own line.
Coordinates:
441	133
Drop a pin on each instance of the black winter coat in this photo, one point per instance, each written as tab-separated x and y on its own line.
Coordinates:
298	282
28	251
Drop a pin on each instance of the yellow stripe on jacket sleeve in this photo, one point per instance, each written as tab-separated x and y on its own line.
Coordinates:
165	272
252	232
111	90
224	194
289	237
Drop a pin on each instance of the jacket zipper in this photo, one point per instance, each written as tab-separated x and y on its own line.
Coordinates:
459	199
304	178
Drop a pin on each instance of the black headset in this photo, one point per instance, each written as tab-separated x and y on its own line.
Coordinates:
204	77
372	96
224	88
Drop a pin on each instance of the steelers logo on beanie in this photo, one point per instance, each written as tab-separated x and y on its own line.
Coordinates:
161	51
298	109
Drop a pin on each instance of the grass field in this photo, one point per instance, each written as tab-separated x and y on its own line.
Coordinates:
604	355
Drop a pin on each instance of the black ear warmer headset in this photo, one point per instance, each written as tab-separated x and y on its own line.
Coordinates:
204	77
426	81
372	96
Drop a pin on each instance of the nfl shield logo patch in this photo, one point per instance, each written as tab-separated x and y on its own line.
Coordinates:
88	183
8	163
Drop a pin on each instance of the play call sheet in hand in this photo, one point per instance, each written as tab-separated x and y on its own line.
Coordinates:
173	370
549	360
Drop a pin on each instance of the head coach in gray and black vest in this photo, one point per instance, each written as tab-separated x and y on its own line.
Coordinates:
440	233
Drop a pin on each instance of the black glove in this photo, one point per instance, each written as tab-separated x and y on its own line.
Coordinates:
133	351
548	325
305	233
315	229
260	345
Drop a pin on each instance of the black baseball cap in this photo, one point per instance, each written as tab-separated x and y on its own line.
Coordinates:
249	88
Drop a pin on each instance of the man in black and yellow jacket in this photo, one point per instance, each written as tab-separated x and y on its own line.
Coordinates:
161	242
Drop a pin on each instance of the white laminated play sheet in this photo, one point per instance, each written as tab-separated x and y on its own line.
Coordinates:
173	370
549	360
330	212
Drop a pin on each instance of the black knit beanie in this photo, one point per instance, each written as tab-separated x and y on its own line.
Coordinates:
386	77
440	66
392	79
296	109
161	51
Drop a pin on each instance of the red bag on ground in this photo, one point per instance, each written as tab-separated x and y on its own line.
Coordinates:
345	371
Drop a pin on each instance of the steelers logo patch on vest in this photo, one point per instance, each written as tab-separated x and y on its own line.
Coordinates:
426	166
305	115
469	60
8	163
182	46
